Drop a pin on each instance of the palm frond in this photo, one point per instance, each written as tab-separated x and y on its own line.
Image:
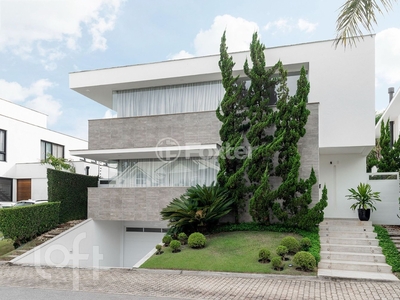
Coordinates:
356	13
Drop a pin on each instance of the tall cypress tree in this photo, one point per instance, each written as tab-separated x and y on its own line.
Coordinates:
294	193
389	160
260	95
231	113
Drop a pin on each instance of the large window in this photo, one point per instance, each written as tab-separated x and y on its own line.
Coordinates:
193	97
51	148
5	189
155	172
3	145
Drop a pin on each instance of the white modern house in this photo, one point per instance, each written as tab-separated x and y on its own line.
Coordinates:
24	142
166	138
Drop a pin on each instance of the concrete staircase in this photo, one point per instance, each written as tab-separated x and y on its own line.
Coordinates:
350	250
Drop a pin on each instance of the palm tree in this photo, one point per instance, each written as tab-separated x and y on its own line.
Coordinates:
354	13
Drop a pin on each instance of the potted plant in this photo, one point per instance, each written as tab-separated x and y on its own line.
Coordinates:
365	199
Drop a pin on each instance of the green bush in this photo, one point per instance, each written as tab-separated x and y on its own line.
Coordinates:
71	190
388	248
264	255
24	223
158	248
282	251
305	260
291	244
277	263
166	240
305	244
182	237
200	208
197	240
175	245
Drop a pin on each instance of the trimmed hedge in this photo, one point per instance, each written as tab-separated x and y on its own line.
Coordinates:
24	223
71	190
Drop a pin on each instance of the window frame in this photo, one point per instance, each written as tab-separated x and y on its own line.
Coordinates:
45	144
4	152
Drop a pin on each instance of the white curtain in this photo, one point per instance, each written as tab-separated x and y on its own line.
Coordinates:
168	99
154	172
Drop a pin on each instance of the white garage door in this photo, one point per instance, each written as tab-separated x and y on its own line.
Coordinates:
138	242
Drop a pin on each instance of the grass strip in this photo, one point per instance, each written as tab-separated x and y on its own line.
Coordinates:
388	248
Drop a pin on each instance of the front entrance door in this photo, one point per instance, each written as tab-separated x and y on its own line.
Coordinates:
23	189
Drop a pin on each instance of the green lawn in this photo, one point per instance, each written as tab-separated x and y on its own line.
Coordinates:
227	252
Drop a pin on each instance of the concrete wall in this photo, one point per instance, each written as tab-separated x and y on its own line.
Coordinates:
140	132
130	204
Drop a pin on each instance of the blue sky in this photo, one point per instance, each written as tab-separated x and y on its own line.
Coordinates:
42	41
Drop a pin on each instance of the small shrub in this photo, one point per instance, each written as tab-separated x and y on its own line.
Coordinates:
182	237
264	255
277	263
197	240
282	251
291	244
305	260
158	248
166	240
305	244
175	245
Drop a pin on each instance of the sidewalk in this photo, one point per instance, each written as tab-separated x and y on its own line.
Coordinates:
194	285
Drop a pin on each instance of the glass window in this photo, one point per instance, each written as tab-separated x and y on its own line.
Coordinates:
5	189
154	172
51	148
2	145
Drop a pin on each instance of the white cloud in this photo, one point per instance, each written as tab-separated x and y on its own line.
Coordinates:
48	105
281	25
34	97
387	56
288	25
182	54
109	114
33	27
306	26
238	36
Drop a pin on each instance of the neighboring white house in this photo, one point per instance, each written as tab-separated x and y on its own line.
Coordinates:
24	142
166	137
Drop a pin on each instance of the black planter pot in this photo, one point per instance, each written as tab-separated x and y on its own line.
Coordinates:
364	214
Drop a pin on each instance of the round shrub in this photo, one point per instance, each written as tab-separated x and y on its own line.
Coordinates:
166	240
264	255
291	244
158	248
305	244
182	237
197	240
277	263
175	245
282	251
305	260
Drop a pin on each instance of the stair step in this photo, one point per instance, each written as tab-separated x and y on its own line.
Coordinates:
345	222
343	274
355	266
349	241
343	228
351	248
351	256
360	235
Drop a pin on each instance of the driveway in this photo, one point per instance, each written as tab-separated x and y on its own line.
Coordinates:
190	285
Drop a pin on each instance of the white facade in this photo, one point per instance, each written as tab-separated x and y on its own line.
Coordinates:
25	129
342	85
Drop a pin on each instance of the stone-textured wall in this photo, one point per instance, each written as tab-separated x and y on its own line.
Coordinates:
140	132
130	204
145	204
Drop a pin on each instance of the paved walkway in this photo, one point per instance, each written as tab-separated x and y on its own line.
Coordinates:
195	285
